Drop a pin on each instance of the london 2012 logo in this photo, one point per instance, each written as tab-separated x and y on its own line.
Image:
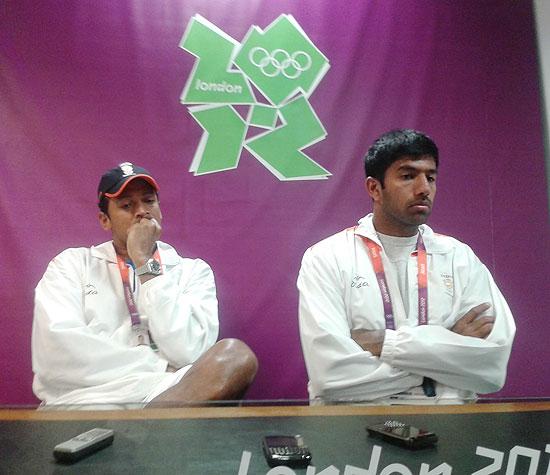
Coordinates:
273	72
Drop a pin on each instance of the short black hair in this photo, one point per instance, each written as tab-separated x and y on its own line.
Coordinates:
393	145
104	205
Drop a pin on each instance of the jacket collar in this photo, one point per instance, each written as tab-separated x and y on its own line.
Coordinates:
106	251
433	245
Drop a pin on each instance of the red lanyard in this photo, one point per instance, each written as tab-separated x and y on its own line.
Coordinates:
422	276
140	330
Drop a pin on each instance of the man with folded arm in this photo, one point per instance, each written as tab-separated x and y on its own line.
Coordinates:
391	312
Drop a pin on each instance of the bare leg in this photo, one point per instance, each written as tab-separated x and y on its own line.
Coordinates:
224	372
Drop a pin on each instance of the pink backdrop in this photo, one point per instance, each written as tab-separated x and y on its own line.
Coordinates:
85	85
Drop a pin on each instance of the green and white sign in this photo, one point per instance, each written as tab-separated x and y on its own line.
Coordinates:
282	67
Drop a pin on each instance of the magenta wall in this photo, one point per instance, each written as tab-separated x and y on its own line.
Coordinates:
85	85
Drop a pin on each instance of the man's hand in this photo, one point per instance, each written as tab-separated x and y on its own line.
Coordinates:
142	238
472	324
370	340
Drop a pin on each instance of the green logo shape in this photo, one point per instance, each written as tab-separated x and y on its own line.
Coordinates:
280	150
263	116
281	61
220	147
212	81
285	67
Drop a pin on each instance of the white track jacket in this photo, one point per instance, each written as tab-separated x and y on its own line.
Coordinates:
82	351
339	293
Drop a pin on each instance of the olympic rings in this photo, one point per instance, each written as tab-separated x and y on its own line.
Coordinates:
280	61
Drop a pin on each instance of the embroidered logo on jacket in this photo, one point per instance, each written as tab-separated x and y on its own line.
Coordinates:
448	283
89	289
358	282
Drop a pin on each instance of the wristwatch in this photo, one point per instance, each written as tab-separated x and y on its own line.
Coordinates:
151	267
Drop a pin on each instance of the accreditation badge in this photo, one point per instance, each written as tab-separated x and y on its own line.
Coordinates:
140	335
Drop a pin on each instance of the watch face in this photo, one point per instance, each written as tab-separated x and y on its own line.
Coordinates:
155	267
151	267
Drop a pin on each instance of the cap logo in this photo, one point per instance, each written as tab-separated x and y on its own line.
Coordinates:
127	169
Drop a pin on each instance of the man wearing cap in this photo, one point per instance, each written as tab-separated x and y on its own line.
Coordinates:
129	320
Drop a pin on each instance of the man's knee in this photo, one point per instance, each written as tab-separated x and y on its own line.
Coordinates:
235	355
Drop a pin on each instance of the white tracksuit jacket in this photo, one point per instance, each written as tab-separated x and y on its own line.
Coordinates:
82	351
339	293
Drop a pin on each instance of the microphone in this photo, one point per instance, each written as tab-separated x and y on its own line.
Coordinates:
428	386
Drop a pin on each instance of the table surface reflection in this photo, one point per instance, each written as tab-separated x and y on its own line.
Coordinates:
269	408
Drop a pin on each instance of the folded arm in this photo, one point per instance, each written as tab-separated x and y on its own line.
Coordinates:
180	304
182	310
471	324
337	366
471	349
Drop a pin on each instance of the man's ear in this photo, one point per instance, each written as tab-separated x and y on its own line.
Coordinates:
104	221
373	187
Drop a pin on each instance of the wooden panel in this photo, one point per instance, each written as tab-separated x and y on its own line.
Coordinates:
266	411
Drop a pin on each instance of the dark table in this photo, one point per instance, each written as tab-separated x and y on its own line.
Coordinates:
212	440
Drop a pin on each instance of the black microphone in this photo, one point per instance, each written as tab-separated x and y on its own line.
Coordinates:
428	386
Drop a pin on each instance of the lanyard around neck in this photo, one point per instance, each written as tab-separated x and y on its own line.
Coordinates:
422	277
141	333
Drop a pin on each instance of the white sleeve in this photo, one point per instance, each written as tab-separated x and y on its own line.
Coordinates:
182	311
337	366
459	361
66	353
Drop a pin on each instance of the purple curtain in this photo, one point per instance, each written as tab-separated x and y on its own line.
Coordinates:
85	85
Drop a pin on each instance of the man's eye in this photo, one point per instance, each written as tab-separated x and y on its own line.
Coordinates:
407	176
125	206
431	179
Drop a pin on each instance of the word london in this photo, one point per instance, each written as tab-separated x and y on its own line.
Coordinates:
218	87
536	458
